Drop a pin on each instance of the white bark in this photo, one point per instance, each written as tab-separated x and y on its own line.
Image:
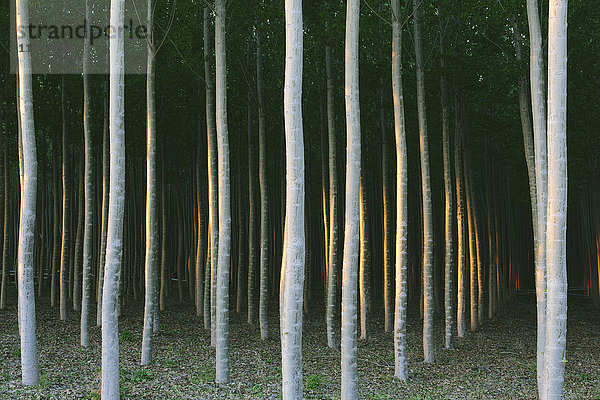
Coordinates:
556	250
292	274
222	300
116	208
400	353
426	193
151	257
86	293
213	184
536	65
29	360
352	214
334	236
264	196
461	319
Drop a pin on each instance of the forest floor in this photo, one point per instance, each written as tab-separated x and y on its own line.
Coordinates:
497	362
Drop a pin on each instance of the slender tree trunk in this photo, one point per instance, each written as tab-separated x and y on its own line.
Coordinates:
461	318
64	264
151	258
55	223
365	260
400	302
253	227
470	199
79	239
200	238
292	274
213	183
105	189
264	195
4	196
164	279
26	297
88	224
114	240
526	125
334	245
536	65
449	250
556	317
222	310
426	193
352	217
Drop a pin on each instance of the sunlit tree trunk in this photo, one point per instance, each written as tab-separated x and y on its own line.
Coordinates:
114	238
352	213
461	318
151	257
449	249
400	353
538	86
213	183
264	195
29	360
222	299
105	189
365	261
470	228
86	294
292	274
66	212
426	193
334	232
556	312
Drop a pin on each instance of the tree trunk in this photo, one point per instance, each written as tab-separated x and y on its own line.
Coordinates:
79	238
365	259
105	189
114	239
264	195
400	302
334	245
426	193
222	310
461	318
26	297
292	274
151	257
352	214
64	263
213	183
536	65
556	312
86	293
449	249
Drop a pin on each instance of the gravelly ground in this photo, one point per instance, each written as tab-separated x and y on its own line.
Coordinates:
498	362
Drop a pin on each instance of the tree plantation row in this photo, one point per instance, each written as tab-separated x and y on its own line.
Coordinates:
226	176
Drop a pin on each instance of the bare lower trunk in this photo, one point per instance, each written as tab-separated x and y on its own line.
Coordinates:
556	312
428	308
29	360
116	209
292	274
264	196
222	298
400	302
334	245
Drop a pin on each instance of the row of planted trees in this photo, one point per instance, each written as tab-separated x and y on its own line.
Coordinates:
87	243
